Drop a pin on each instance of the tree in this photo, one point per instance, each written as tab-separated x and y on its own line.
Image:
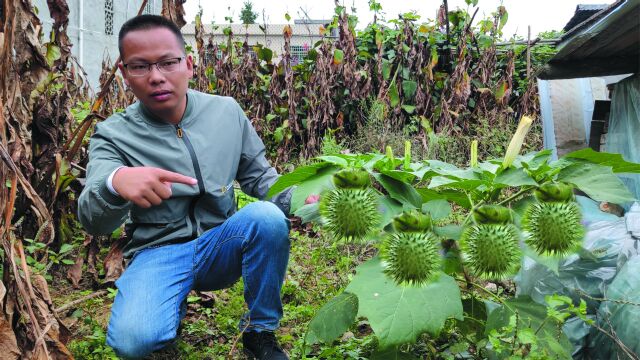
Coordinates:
247	15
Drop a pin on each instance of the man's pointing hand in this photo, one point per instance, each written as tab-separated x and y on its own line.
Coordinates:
147	186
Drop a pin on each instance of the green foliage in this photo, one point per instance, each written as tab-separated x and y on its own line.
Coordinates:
597	181
522	328
40	258
243	199
247	15
333	319
399	314
490	248
92	346
330	145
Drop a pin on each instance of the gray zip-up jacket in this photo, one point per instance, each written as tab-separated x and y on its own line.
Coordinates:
214	143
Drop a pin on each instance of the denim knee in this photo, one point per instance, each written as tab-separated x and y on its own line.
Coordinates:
134	340
269	222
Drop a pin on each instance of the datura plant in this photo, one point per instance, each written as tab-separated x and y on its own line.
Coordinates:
553	223
492	244
350	210
438	226
411	254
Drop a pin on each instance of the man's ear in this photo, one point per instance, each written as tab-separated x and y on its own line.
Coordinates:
189	61
123	72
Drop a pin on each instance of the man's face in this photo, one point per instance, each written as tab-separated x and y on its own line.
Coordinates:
163	93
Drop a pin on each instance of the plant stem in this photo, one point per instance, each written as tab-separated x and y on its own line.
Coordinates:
541	325
522	191
80	300
473	208
515	335
617	301
494	296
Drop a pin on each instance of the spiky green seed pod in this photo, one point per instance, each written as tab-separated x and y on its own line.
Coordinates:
492	214
412	221
411	258
554	227
350	213
554	192
492	249
351	179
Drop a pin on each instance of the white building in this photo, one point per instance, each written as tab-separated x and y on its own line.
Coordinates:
305	33
93	29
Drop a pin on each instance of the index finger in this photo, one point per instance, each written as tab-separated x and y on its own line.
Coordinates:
170	176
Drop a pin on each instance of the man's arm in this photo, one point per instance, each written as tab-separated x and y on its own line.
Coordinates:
99	210
112	188
255	174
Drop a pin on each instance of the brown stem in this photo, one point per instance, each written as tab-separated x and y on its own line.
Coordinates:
80	300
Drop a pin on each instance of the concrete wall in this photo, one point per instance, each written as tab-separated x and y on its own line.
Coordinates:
86	30
303	37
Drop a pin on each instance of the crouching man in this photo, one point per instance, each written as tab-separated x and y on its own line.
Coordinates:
166	166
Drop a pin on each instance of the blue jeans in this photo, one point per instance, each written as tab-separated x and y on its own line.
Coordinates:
152	292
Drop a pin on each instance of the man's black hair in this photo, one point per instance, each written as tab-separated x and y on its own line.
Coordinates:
148	22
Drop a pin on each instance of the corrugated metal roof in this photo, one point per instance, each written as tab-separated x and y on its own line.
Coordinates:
582	13
607	43
591	7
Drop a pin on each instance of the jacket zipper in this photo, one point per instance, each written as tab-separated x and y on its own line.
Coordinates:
196	166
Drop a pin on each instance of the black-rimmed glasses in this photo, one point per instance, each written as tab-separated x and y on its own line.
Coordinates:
164	66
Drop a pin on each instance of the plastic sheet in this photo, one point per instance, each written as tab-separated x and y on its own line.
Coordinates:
620	318
607	248
624	127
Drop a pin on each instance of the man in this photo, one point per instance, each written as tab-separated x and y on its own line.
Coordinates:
167	165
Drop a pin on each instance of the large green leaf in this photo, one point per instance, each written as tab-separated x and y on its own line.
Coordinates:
309	213
313	185
456	183
617	163
399	314
389	208
449	170
53	53
295	177
533	160
597	181
338	56
514	177
394	97
265	54
404	176
400	191
337	160
409	88
450	231
438	209
452	195
333	319
551	341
